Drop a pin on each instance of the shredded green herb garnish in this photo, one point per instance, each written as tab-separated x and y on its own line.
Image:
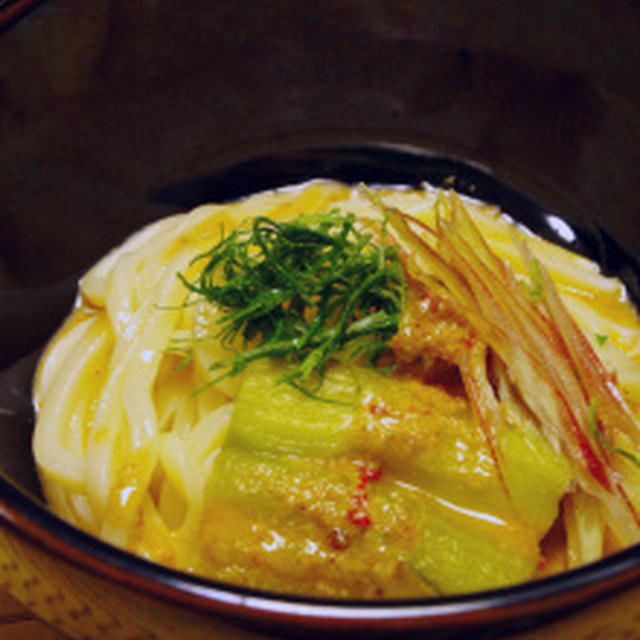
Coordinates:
593	424
601	339
315	288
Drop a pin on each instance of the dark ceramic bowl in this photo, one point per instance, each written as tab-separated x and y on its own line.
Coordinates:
115	113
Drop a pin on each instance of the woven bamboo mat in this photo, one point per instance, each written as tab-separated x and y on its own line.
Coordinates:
17	623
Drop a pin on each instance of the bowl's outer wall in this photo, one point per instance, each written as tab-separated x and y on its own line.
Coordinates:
105	104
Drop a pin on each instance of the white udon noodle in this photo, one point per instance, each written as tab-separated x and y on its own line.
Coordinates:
127	457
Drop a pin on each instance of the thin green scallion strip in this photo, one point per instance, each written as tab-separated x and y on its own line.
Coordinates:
593	423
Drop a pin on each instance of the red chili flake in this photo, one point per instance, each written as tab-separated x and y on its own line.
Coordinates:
378	410
372	474
359	518
338	539
359	515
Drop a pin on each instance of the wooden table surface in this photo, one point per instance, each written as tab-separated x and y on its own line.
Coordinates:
17	623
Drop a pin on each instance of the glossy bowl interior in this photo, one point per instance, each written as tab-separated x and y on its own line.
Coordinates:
115	113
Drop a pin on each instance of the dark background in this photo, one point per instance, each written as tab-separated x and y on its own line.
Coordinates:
104	104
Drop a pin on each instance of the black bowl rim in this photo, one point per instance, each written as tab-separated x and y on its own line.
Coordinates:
47	531
28	517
